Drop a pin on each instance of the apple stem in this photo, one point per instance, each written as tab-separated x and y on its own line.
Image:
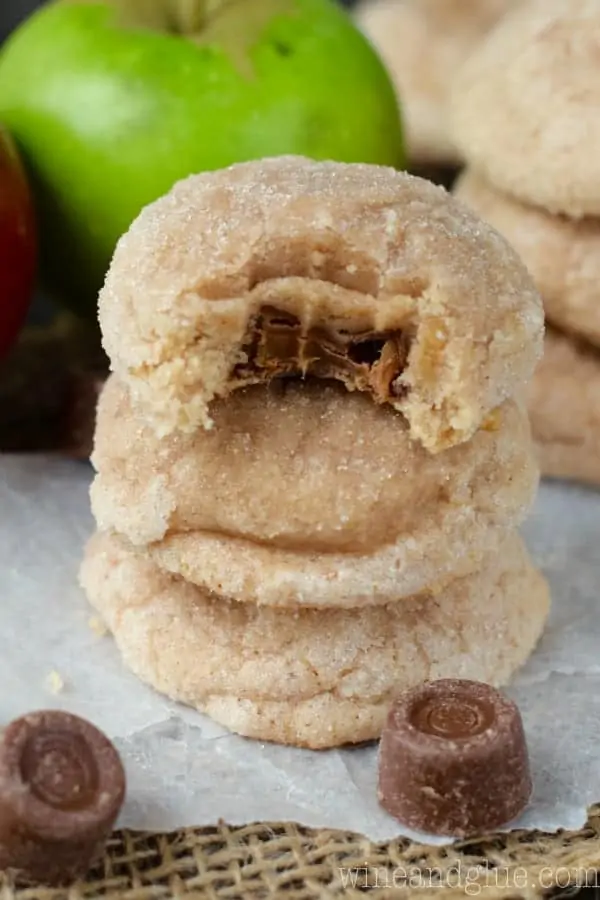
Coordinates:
192	15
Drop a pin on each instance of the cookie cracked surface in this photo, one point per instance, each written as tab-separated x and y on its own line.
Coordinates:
291	267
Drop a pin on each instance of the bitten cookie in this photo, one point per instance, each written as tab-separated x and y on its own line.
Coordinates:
564	407
423	43
317	678
563	255
524	109
303	466
290	267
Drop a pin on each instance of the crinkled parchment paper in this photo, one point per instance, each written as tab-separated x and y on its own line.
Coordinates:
185	770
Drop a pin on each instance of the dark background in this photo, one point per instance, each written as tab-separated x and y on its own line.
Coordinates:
12	11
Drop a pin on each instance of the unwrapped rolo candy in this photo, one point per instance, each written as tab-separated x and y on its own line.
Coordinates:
453	759
62	785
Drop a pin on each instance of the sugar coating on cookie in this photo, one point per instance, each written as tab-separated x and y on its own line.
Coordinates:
564	407
286	266
300	466
316	678
444	540
562	254
524	109
423	43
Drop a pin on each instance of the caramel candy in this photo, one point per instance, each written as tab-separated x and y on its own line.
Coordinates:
62	785
453	759
277	344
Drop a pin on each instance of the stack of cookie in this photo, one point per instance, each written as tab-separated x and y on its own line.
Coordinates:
311	457
423	43
525	115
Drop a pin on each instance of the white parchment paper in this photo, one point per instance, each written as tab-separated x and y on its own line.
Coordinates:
185	770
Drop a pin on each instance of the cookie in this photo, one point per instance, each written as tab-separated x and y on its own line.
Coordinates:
564	407
287	266
316	678
302	466
423	43
450	541
562	254
254	573
524	106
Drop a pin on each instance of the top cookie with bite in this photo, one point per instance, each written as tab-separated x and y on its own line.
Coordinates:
290	267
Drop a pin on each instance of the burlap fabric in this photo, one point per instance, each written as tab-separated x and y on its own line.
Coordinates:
283	860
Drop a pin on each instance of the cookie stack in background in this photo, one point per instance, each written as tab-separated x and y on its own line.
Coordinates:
525	116
311	457
423	43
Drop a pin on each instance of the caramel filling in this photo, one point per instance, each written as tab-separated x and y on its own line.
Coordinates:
276	345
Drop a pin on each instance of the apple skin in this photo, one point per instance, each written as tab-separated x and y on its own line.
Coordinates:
17	244
109	115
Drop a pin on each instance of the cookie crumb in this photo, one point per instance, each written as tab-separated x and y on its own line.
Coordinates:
98	626
54	682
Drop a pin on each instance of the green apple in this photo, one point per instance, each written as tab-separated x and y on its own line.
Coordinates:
112	101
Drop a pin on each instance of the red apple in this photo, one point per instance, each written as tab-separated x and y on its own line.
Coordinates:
17	243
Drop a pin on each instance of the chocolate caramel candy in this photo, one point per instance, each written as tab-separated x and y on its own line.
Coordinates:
62	785
453	759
